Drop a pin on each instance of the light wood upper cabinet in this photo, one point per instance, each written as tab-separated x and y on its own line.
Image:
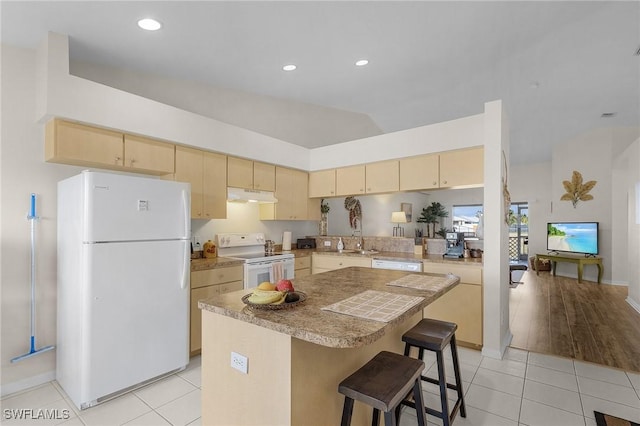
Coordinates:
293	196
322	183
264	176
77	144
190	168
421	172
350	180
240	173
148	155
82	145
206	172
382	177
463	168
214	197
249	174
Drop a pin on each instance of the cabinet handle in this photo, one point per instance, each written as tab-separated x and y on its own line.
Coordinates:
444	181
133	160
330	192
118	160
435	183
368	189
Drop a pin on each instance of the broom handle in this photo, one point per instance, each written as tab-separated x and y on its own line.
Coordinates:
32	219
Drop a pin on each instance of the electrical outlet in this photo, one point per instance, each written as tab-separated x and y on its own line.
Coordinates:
196	240
327	243
240	362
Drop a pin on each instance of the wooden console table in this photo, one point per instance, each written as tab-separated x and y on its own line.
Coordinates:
579	260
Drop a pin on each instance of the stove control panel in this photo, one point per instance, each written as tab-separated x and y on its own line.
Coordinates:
240	240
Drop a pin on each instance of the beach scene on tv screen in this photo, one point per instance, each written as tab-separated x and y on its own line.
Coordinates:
575	237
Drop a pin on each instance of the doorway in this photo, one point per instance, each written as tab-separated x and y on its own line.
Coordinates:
519	232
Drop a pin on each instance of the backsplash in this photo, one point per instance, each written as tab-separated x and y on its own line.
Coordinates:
396	244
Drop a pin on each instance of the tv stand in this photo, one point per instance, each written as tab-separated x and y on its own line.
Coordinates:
579	260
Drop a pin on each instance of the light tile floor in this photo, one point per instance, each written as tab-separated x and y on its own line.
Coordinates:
522	389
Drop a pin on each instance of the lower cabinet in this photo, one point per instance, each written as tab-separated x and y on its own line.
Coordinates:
324	263
204	284
302	266
462	304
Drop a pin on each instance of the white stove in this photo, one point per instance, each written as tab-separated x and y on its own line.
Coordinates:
258	266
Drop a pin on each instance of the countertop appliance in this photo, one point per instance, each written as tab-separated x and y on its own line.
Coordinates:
455	245
398	265
306	243
123	283
258	265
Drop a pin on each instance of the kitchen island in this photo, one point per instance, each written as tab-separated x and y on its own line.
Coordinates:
296	357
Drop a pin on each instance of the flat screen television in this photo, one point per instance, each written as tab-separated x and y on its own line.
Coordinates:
573	237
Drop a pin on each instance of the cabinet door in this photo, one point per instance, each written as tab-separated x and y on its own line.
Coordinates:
229	287
463	306
216	276
240	173
72	143
196	315
421	172
322	183
382	177
189	168
300	194
148	155
322	263
284	193
350	180
264	176
214	199
464	168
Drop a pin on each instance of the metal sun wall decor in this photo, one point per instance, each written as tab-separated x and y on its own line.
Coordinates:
577	190
505	190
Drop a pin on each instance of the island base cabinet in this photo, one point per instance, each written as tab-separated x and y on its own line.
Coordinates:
461	305
289	381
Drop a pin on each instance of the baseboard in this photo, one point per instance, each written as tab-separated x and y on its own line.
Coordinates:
635	305
28	383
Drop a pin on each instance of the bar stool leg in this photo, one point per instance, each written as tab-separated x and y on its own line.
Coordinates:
376	417
347	411
390	418
418	399
456	370
443	389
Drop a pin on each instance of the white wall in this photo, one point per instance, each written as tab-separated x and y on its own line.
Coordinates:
632	188
531	183
23	171
303	124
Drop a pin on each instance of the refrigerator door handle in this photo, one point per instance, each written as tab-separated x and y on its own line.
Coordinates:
186	212
186	266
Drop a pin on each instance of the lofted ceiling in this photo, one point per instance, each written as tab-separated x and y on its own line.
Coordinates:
557	65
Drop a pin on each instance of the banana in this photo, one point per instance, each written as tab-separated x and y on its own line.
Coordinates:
264	297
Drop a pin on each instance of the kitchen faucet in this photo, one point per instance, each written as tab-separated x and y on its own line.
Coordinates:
360	243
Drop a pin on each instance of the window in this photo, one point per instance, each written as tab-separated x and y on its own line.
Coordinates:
466	218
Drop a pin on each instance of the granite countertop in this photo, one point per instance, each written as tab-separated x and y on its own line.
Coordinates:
215	262
222	262
308	322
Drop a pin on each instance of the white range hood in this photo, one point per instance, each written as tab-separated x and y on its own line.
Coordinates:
242	195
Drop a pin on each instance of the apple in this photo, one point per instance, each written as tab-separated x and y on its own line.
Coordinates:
284	285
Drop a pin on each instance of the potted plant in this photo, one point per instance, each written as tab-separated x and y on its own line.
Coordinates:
324	217
431	215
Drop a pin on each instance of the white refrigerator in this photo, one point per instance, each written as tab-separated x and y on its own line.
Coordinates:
123	283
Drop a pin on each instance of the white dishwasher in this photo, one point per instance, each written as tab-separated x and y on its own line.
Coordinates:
398	265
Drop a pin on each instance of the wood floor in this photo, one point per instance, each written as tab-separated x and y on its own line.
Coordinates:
587	321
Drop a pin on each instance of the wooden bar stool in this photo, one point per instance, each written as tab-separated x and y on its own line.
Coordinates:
383	383
434	335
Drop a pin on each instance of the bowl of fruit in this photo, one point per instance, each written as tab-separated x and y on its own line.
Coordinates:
270	296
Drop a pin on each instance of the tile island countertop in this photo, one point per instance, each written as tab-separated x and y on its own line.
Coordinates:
308	322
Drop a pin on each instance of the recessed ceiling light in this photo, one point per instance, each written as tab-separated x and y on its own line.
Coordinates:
289	67
362	62
149	24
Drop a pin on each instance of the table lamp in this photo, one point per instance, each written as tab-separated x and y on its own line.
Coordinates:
398	218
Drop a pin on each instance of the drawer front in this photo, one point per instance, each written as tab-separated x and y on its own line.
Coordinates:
338	262
303	272
216	276
467	274
229	287
302	262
